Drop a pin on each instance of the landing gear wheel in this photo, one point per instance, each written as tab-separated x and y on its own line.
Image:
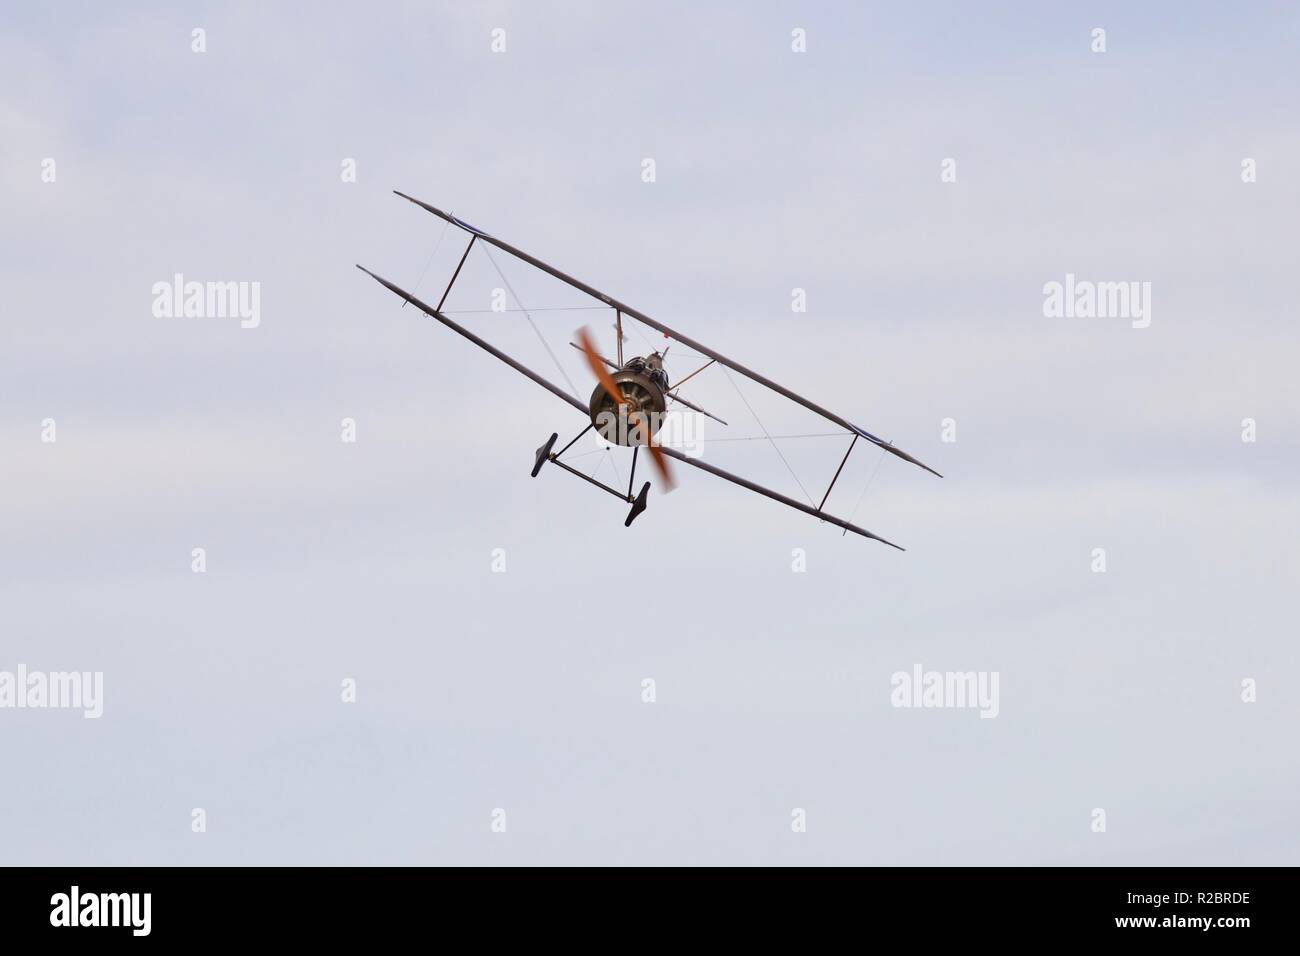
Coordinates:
638	506
544	453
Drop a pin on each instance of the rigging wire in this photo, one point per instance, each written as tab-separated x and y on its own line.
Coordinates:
650	347
863	495
585	454
573	390
436	246
613	463
810	435
727	373
556	308
618	478
674	343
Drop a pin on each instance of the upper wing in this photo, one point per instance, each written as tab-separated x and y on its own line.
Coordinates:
671	333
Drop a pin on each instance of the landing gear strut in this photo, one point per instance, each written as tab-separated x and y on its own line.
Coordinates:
544	454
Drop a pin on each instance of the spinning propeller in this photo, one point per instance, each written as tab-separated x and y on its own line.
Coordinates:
636	417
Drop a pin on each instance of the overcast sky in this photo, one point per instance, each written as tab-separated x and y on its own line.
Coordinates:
775	170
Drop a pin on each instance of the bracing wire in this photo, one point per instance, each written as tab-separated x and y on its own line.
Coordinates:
768	436
863	495
585	454
573	390
613	463
436	246
556	308
648	344
783	437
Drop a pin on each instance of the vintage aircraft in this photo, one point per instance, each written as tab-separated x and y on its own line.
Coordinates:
631	396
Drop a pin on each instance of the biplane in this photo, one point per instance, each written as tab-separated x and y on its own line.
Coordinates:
632	395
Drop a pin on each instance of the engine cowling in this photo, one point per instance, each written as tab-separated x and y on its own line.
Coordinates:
641	395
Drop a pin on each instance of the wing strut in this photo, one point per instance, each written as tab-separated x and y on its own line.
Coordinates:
456	275
843	462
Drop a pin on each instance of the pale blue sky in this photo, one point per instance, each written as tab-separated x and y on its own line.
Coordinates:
522	690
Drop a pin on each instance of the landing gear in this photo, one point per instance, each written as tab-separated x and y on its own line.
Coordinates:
544	454
638	506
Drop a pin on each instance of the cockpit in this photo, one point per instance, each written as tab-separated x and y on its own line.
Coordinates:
652	367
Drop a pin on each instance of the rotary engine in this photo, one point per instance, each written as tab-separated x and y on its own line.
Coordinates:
643	384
